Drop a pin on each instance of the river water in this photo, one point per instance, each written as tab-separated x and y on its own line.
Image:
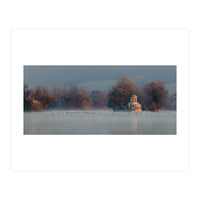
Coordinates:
99	122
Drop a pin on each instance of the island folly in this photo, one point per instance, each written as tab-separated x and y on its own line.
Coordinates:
133	105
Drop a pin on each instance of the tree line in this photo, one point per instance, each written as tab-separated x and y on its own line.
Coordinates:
152	96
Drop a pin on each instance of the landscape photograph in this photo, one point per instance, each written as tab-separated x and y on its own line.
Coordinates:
99	99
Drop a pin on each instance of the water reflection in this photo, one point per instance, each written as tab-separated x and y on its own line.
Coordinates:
134	125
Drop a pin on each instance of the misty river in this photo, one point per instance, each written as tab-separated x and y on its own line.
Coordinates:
99	122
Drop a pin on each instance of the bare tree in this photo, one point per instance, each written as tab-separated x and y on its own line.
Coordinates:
42	94
170	102
154	95
120	93
27	98
99	98
59	94
78	97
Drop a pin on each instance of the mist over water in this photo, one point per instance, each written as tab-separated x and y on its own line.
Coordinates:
99	122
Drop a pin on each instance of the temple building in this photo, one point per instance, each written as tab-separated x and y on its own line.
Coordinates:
133	105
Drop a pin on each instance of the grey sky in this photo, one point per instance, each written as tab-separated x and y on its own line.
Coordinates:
98	77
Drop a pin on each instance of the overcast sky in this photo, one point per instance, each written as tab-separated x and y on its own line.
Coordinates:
97	77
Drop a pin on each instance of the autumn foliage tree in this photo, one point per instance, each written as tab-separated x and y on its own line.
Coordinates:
120	93
36	105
